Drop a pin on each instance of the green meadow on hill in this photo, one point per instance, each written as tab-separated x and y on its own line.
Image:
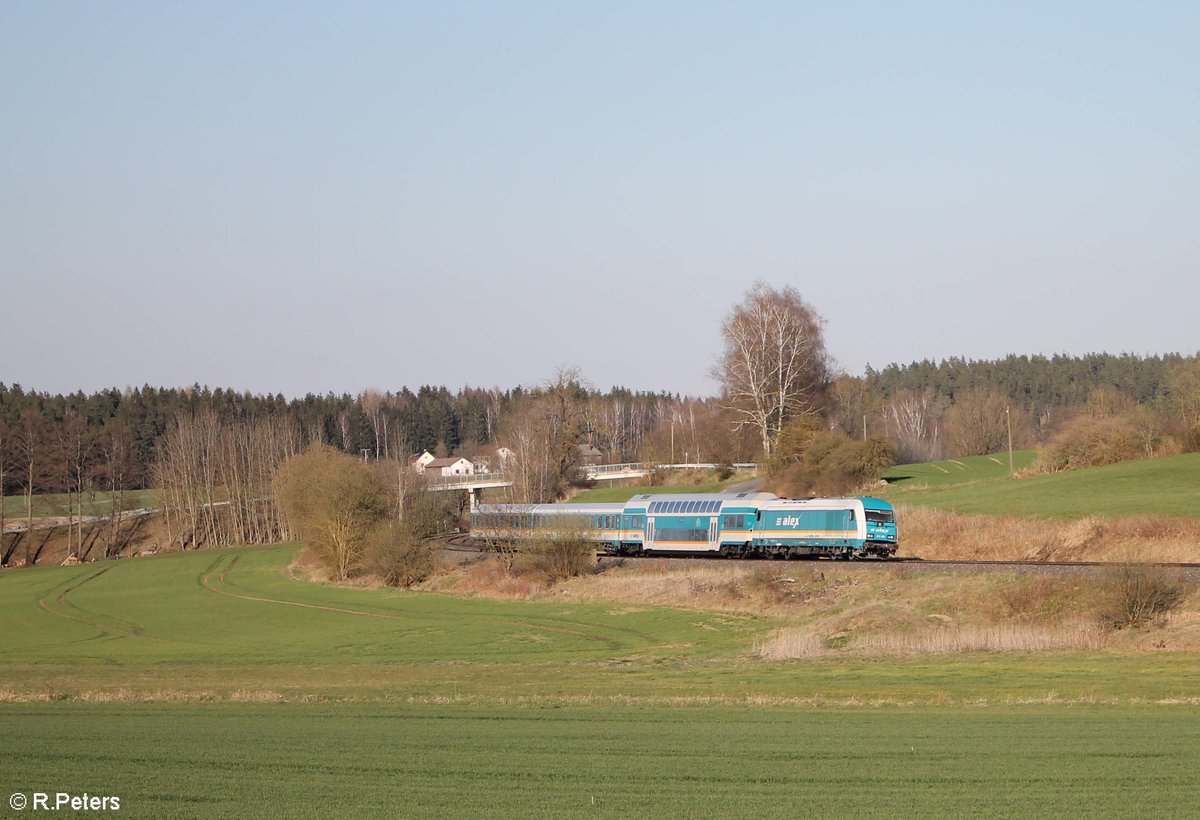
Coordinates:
1168	486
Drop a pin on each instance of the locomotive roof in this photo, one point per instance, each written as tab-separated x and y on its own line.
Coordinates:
875	503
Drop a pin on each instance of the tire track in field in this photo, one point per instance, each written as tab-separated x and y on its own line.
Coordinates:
62	601
206	581
205	578
116	628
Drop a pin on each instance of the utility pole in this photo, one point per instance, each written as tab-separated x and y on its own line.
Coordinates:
1008	419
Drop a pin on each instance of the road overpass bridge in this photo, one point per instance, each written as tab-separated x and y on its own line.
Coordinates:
474	484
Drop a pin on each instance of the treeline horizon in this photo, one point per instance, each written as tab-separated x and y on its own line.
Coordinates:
903	402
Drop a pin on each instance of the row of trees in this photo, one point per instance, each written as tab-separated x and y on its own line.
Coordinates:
774	368
382	425
775	372
927	425
69	455
214	478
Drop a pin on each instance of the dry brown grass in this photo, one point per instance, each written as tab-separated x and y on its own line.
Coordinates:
936	534
828	608
793	643
488	579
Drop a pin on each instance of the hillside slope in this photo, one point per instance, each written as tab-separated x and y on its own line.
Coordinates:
1167	486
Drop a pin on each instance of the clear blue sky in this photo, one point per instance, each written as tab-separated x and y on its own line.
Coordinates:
321	197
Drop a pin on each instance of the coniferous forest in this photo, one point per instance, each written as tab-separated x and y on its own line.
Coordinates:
59	442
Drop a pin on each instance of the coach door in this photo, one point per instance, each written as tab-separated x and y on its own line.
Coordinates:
649	532
713	531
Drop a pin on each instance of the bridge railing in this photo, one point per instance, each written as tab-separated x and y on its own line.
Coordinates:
595	471
444	481
707	465
608	469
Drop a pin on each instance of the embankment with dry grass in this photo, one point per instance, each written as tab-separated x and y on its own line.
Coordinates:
849	609
938	534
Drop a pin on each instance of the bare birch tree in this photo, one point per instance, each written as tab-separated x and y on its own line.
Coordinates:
29	456
372	402
774	366
914	421
544	431
116	448
4	446
76	457
977	422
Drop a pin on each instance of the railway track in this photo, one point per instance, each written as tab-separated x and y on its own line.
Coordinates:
465	544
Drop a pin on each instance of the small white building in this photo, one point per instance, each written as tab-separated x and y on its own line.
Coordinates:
422	461
452	466
492	459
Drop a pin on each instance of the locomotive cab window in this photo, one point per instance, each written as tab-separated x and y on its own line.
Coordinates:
881	516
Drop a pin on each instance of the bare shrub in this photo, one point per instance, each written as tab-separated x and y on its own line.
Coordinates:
562	558
808	461
565	549
333	502
1090	441
1140	593
399	555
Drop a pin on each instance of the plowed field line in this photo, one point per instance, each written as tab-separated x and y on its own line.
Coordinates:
62	601
206	576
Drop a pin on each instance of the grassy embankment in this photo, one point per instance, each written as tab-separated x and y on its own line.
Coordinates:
970	508
1167	486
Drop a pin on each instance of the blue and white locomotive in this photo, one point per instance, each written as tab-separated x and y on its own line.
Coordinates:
729	524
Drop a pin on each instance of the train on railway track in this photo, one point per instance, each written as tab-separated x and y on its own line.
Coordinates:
736	525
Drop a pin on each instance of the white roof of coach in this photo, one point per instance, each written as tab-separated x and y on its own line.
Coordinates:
604	508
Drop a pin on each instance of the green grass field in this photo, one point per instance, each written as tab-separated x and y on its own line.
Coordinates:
965	470
1162	486
213	683
98	503
225	624
350	760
